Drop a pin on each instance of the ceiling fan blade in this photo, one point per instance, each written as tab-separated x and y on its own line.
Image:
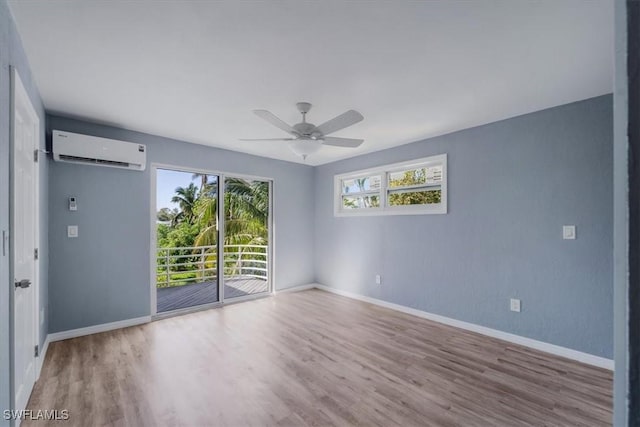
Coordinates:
342	142
266	139
271	118
342	121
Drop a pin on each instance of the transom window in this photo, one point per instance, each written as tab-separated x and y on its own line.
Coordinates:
361	192
414	187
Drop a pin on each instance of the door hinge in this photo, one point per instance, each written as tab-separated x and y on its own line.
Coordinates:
36	351
35	155
35	253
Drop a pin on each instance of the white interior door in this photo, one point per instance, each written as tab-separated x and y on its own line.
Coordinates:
25	132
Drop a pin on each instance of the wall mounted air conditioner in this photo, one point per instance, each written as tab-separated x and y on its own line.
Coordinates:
91	150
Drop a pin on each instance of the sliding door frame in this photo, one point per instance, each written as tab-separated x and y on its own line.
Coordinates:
221	224
270	243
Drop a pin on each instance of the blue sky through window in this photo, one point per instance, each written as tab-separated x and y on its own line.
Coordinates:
355	185
166	183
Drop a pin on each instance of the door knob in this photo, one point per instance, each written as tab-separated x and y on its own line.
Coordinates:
24	283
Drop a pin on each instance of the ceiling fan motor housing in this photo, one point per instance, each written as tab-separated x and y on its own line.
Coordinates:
305	129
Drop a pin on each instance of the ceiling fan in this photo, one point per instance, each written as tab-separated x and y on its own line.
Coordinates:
306	137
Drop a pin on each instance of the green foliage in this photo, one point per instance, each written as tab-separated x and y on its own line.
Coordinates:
167	215
246	213
195	225
408	178
204	180
400	190
415	198
177	279
362	201
176	236
186	199
367	201
162	230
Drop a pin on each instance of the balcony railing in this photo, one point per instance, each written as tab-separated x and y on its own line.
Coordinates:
194	264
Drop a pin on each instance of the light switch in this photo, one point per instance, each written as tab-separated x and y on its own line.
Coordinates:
569	232
72	231
514	305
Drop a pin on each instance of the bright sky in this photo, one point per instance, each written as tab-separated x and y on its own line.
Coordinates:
166	184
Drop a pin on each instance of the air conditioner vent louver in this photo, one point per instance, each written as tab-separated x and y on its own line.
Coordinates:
94	161
91	150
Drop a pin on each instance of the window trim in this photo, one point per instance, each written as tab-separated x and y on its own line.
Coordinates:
384	171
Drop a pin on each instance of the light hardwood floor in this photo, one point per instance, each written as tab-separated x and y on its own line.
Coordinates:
313	358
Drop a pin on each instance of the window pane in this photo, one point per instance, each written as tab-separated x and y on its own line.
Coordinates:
405	178
415	198
360	202
434	174
428	175
359	185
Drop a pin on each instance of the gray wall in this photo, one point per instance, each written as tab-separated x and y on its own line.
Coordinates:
103	275
512	185
12	54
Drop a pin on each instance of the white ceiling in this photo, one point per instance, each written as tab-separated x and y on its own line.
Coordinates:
194	70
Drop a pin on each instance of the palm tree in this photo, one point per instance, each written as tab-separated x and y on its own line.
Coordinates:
366	200
248	201
246	214
167	215
204	180
185	198
246	220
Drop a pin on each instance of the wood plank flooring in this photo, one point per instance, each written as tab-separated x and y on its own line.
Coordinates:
312	359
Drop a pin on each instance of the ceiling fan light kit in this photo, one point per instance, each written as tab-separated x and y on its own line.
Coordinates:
304	147
307	137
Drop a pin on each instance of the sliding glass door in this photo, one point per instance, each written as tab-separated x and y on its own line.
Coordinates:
246	237
186	240
212	237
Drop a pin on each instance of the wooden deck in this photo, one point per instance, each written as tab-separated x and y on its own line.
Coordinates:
206	293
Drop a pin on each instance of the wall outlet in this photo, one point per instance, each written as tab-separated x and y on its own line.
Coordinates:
378	279
515	305
569	232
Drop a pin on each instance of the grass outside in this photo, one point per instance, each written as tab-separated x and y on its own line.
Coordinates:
180	278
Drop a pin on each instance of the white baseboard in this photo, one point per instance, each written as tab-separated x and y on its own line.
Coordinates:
505	336
73	333
295	288
42	354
